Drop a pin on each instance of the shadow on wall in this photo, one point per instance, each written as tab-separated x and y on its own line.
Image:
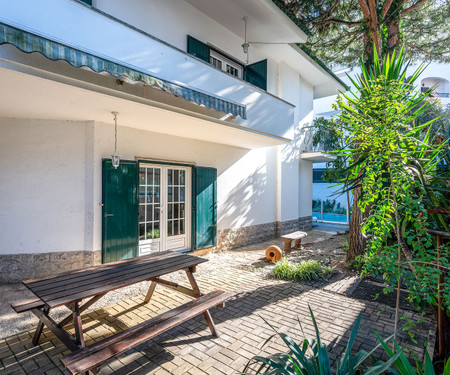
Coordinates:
246	196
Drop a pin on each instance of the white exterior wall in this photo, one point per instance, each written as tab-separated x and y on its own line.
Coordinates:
296	175
246	189
62	159
74	24
44	196
51	170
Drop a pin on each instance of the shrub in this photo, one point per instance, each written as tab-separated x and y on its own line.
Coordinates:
304	270
359	262
345	246
311	357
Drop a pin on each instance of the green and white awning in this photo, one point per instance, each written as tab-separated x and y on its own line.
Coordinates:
29	42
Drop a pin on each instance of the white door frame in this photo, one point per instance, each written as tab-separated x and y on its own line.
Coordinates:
166	242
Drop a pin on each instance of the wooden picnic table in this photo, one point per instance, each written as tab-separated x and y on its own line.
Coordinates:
70	288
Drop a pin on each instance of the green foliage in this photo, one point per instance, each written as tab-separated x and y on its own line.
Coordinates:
402	364
341	33
153	234
359	262
392	160
328	136
304	270
345	245
311	357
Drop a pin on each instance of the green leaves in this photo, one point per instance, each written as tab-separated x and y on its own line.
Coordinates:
391	158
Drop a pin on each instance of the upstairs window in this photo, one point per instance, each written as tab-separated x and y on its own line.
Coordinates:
256	73
223	63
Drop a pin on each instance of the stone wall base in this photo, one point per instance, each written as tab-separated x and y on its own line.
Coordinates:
233	238
18	267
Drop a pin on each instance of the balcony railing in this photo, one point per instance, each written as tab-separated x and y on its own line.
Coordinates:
92	31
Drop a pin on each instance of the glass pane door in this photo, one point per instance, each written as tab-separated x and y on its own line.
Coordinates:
164	208
149	209
176	208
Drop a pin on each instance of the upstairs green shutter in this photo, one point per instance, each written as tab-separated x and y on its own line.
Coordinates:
205	202
198	49
256	74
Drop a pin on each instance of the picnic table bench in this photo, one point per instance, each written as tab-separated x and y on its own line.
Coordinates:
294	236
70	288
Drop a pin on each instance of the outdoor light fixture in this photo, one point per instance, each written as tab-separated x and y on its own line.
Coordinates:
115	158
245	45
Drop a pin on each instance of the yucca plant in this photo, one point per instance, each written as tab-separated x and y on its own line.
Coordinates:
390	163
403	366
311	357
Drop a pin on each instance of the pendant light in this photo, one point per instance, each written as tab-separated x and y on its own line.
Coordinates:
115	158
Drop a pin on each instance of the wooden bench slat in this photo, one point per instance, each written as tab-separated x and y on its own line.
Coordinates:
30	304
72	273
94	355
114	283
72	286
67	281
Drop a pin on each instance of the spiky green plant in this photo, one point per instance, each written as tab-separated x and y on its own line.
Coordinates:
311	357
391	160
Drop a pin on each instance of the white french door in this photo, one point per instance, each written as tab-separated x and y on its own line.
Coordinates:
164	208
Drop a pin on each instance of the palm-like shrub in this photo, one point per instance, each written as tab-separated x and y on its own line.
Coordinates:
311	357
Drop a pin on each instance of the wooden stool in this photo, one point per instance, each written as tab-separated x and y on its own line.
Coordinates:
294	236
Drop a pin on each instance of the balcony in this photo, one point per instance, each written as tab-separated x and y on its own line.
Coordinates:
81	27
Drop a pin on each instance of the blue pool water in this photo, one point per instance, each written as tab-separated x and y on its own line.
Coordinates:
331	217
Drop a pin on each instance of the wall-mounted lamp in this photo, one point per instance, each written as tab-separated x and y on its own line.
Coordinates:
115	158
245	45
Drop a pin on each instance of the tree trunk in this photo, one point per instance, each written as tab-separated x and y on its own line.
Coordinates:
356	241
393	35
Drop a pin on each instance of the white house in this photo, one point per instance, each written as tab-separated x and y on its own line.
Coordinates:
209	136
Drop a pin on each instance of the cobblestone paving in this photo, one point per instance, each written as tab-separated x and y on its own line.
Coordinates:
190	349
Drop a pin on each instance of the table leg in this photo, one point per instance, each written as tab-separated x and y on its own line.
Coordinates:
89	303
298	243
150	292
57	330
206	314
40	327
77	324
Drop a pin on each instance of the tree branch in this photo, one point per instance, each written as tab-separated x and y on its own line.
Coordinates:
440	53
365	9
327	13
387	4
412	7
336	21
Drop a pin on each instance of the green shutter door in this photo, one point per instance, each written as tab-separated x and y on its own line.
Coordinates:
198	49
256	74
120	211
205	198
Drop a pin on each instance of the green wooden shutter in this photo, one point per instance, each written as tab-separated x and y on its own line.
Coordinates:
120	210
256	74
198	49
205	202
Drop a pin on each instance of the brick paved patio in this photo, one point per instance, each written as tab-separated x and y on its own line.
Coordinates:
190	349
